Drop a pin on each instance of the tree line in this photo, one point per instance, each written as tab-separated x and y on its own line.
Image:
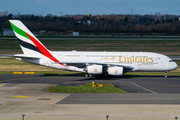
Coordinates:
99	24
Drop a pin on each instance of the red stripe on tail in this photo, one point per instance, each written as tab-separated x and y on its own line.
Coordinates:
43	50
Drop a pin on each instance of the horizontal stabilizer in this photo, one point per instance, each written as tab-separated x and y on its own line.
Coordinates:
6	56
18	56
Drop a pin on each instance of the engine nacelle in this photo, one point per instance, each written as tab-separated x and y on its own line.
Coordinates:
95	69
115	71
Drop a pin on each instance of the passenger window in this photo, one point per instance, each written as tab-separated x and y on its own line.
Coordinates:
170	60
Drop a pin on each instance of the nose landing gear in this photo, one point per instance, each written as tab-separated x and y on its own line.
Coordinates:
166	74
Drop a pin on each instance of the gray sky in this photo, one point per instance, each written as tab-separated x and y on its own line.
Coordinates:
55	7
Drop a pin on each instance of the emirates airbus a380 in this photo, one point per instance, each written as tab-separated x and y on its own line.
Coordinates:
93	63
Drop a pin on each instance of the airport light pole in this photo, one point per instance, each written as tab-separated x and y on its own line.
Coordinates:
107	116
175	117
23	116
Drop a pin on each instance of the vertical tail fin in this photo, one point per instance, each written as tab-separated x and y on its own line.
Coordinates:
28	42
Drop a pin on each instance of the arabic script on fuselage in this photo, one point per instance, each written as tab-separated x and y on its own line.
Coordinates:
108	58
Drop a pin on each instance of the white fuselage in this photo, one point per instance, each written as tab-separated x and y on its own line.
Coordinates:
138	61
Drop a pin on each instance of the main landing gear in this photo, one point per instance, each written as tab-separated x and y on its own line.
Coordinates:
89	75
92	75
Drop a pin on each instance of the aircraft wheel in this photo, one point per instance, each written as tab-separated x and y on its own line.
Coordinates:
166	74
86	75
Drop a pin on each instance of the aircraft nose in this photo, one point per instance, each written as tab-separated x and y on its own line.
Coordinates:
175	66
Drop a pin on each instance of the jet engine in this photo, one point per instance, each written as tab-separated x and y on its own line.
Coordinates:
95	69
115	71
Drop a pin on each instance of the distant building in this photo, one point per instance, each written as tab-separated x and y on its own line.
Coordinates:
8	32
17	15
3	13
42	31
78	18
75	33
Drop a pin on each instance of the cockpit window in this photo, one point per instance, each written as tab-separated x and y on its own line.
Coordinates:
170	60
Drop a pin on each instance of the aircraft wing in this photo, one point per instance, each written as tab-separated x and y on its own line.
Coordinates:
19	56
105	65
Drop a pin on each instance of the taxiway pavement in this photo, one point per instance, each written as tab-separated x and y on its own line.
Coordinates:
159	90
151	98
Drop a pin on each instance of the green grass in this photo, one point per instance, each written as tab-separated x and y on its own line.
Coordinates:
167	47
87	88
6	72
163	46
12	61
